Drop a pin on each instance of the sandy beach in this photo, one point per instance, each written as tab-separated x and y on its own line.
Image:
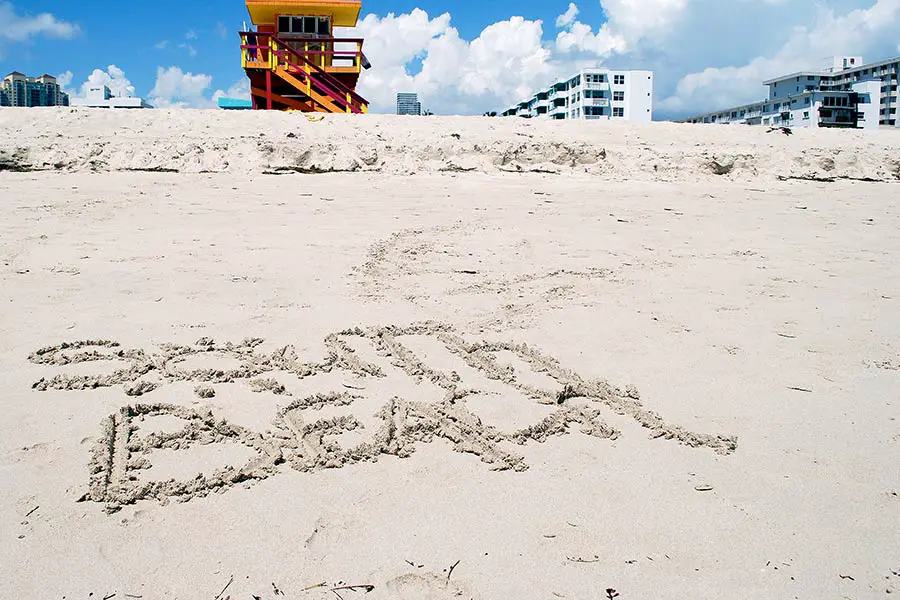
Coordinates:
254	355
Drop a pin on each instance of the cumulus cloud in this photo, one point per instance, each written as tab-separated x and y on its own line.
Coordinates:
870	30
176	89
65	79
568	17
16	27
507	60
239	89
706	54
112	77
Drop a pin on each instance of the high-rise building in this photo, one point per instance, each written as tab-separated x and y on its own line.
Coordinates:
408	104
844	93
19	90
593	94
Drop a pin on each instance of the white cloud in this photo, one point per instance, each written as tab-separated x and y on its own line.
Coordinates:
568	17
112	77
706	54
65	79
176	89
239	89
636	19
15	27
191	51
190	35
507	60
870	30
161	45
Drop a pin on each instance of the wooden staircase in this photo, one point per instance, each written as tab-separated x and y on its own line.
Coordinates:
283	78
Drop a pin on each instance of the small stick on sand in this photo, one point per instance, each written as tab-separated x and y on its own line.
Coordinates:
230	581
351	588
315	587
450	572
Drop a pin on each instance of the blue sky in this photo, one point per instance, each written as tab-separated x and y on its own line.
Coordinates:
198	36
706	54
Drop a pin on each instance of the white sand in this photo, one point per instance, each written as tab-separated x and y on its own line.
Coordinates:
721	422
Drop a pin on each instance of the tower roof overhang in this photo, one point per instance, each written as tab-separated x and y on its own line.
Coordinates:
343	13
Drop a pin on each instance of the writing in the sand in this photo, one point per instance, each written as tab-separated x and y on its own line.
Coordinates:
428	381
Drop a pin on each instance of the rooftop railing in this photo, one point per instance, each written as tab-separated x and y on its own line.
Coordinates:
266	51
256	48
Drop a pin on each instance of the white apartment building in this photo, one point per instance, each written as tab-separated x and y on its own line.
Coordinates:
101	97
845	93
593	94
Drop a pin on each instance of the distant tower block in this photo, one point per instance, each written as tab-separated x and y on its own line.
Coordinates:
408	104
293	60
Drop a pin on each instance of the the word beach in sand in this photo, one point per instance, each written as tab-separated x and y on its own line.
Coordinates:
428	356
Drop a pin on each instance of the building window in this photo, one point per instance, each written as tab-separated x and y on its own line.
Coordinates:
618	111
304	25
619	96
806	115
619	79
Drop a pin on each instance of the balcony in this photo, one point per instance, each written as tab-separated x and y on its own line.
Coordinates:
264	51
596	101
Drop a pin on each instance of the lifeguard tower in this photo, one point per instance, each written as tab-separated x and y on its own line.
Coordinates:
293	60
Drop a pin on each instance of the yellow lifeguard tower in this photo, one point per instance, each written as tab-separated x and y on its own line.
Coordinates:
294	61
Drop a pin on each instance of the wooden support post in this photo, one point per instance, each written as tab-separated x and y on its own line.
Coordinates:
268	90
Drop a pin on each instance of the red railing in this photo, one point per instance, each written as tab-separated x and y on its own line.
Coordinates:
323	75
255	46
311	63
